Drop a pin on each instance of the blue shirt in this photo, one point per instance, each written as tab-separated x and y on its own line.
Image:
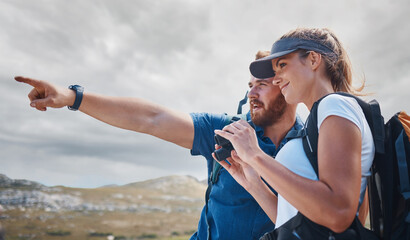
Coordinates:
232	212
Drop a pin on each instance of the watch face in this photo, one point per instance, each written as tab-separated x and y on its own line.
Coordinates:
76	88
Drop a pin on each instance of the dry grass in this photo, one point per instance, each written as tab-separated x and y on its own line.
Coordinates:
159	213
42	225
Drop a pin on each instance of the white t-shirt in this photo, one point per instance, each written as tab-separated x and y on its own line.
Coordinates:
294	158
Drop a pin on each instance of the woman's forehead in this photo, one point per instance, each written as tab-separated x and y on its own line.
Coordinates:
275	61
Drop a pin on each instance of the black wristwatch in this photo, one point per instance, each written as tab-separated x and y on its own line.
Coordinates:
78	96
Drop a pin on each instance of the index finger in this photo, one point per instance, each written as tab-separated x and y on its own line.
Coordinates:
30	81
246	123
241	124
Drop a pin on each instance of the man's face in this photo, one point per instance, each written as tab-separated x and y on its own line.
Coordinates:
267	104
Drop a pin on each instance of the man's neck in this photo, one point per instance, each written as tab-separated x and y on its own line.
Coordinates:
277	132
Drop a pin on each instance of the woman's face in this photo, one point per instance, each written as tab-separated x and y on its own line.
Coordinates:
293	76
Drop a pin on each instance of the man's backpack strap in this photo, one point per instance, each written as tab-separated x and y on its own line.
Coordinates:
216	167
241	103
215	172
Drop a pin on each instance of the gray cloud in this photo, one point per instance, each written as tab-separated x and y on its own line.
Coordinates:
192	56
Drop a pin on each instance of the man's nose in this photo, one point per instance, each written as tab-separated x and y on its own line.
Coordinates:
252	93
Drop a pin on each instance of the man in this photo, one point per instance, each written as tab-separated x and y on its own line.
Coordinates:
230	212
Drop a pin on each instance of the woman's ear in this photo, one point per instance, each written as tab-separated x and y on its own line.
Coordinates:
315	59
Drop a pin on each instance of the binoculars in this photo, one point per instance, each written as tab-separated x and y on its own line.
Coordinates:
226	146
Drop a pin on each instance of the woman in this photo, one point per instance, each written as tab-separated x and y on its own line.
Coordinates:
307	65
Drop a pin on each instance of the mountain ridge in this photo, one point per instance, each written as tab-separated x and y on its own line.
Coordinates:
6	182
162	206
26	193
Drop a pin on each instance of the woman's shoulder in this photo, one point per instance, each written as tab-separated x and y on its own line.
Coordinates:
337	102
343	106
338	98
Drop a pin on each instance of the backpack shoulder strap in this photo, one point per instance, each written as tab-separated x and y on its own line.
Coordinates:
242	102
311	137
373	116
216	166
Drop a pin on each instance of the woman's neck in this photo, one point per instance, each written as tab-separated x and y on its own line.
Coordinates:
321	88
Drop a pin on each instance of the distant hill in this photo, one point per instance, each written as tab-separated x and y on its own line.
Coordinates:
162	207
6	182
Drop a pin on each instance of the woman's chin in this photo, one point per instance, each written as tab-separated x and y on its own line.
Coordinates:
289	99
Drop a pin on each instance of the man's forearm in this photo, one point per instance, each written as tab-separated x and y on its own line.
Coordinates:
141	116
128	113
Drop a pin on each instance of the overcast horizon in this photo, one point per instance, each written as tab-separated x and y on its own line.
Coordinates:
189	55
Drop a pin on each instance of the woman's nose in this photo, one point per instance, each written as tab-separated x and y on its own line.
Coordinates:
276	81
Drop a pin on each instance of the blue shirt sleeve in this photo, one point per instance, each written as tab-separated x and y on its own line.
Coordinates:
204	125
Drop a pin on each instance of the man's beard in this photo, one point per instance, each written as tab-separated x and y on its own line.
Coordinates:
276	109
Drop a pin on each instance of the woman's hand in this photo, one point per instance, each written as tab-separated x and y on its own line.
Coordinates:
242	172
252	182
243	138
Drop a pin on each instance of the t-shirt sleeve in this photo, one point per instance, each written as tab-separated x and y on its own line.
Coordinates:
342	106
204	125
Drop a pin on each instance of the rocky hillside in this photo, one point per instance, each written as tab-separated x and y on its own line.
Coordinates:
168	206
6	182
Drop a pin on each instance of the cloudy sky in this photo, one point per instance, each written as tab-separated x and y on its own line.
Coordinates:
189	55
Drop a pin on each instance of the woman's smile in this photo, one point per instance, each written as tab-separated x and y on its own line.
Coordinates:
283	87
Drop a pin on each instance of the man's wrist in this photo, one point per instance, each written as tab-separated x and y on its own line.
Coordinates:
78	96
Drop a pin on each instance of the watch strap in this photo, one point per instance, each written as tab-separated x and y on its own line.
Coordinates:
78	96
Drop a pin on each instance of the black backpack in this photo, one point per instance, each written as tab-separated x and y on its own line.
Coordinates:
389	188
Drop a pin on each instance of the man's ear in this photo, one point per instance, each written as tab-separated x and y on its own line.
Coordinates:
315	59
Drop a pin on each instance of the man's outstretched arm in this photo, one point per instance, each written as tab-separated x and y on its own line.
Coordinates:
128	113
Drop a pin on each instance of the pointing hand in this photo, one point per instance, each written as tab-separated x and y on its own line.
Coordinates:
45	94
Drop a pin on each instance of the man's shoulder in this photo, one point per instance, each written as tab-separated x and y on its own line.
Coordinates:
204	121
204	116
204	125
216	119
